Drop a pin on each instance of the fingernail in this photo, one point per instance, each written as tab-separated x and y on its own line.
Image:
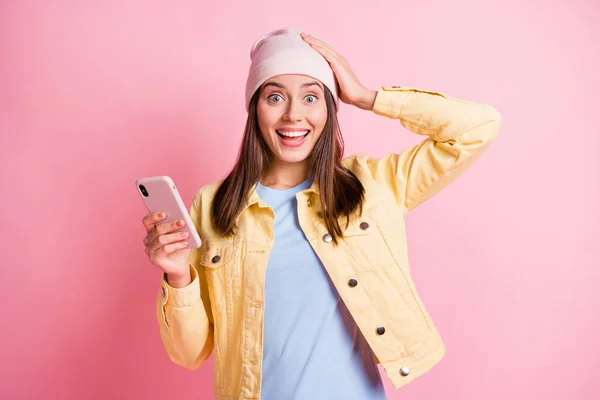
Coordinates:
161	215
180	222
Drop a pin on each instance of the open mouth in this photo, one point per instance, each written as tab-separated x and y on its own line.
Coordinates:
292	136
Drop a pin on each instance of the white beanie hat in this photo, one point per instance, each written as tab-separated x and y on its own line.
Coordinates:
285	52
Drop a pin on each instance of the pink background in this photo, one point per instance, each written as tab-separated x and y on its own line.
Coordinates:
94	95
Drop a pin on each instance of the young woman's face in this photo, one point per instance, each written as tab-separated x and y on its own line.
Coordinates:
291	115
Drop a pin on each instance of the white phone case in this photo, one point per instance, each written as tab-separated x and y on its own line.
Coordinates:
160	194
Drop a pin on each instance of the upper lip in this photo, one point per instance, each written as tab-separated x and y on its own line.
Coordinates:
292	129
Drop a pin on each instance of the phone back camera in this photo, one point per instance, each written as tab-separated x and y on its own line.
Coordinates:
143	190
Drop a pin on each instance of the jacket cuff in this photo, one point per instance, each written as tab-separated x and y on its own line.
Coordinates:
181	297
389	101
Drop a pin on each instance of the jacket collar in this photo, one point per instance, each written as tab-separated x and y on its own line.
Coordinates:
253	197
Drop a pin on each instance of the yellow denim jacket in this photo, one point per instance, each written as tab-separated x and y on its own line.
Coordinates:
222	309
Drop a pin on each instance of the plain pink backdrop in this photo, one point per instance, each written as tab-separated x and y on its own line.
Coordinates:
94	95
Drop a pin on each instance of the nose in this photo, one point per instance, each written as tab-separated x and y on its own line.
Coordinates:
293	111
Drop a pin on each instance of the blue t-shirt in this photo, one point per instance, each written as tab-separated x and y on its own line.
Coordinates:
313	349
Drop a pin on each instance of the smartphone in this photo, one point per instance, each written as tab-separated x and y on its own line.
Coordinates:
160	194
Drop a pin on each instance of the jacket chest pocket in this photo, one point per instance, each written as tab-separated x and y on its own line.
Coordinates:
221	261
367	244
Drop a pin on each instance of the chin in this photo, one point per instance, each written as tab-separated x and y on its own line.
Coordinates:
292	158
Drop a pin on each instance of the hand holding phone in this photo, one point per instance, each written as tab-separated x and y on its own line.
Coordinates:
170	231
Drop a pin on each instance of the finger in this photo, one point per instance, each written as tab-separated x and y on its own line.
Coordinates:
149	238
325	52
162	229
169	227
328	47
165	240
316	41
313	39
150	220
167	249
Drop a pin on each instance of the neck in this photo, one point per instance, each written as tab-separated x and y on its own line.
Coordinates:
282	175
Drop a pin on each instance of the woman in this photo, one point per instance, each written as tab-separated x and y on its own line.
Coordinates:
302	283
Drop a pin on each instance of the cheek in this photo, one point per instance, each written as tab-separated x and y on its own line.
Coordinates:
265	120
318	119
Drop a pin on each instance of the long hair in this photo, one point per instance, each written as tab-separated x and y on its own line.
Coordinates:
340	191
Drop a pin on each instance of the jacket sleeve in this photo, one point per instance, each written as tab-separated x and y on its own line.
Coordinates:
457	134
184	314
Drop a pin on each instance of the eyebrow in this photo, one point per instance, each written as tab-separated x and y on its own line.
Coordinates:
304	85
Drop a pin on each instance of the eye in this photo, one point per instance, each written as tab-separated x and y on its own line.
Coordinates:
274	98
311	98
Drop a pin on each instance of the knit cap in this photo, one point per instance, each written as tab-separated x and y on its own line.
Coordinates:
283	51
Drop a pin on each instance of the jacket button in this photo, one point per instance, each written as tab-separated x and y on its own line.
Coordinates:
216	259
364	225
404	371
380	330
352	282
327	238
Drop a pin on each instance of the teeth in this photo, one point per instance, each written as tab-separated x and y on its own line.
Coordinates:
292	134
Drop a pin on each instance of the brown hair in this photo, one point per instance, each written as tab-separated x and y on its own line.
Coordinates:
340	191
